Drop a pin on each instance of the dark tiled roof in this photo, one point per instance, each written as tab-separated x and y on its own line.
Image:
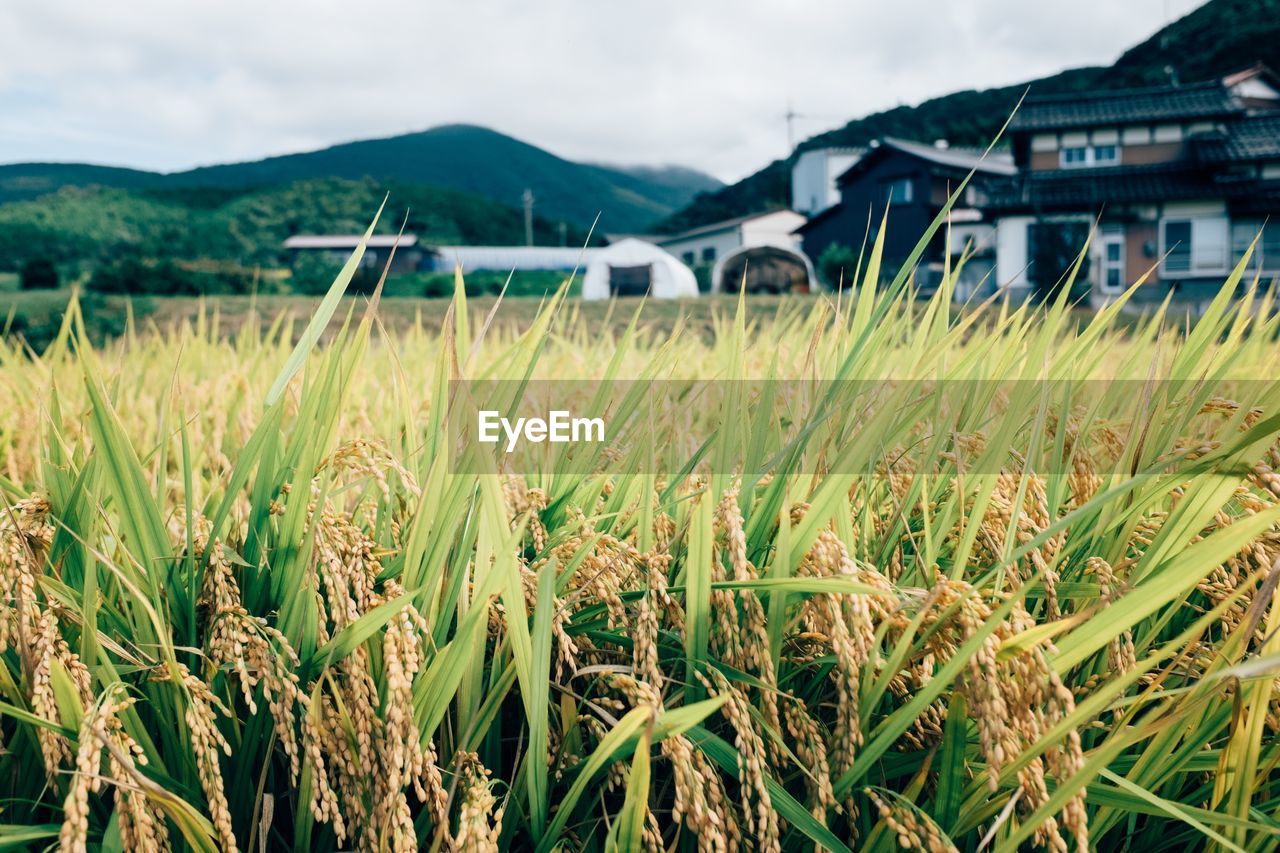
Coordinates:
1161	103
1259	197
1245	139
1068	188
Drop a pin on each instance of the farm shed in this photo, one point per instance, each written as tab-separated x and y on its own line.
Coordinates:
765	269
633	267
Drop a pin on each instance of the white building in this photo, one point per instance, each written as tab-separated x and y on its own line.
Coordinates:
710	243
813	178
633	267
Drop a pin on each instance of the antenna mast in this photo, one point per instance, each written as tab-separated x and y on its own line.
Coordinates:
790	117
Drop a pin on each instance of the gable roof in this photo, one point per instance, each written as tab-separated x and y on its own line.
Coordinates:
959	159
1259	70
1156	103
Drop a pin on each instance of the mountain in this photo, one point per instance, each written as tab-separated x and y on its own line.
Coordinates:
31	180
457	157
1218	38
98	223
676	184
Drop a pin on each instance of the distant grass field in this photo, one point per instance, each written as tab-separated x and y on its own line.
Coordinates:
37	314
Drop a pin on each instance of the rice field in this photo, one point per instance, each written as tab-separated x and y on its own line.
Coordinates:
251	600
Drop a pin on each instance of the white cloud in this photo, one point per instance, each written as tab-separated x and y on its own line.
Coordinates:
170	85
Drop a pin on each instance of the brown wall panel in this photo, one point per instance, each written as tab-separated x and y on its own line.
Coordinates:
1041	160
1157	152
1136	262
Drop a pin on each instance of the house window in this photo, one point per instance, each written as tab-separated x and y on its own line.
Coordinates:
1177	246
1053	245
898	191
1105	155
709	255
689	258
1083	156
1242	234
1270	248
1266	253
1075	156
1195	246
1113	262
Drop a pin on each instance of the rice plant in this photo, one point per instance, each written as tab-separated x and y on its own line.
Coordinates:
252	601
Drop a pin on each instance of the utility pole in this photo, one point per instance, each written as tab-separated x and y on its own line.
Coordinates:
564	235
527	199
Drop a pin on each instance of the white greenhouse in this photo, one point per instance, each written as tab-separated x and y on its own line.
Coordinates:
633	267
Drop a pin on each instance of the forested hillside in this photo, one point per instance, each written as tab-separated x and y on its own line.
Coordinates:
463	158
98	224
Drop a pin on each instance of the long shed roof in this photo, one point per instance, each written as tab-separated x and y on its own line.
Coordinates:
349	241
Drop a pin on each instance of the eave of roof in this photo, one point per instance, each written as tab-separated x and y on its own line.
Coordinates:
1090	189
1261	198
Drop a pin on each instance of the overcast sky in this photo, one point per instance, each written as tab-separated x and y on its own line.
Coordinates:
160	84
